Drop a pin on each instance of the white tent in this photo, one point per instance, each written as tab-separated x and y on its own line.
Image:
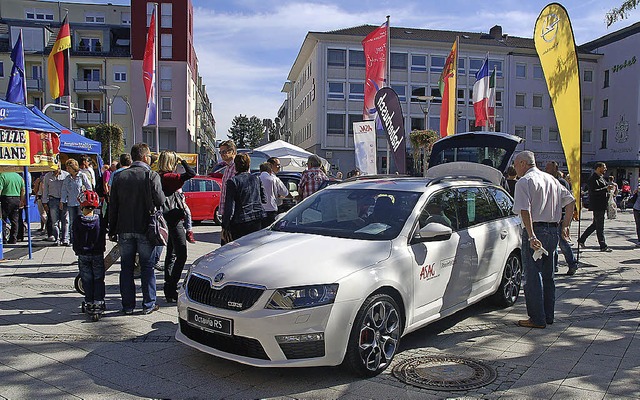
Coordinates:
292	158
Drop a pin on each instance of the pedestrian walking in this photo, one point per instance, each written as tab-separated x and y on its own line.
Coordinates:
598	202
228	153
565	247
87	169
539	199
312	177
74	184
12	200
51	193
134	193
274	189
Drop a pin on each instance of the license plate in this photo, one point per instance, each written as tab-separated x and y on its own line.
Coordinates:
210	323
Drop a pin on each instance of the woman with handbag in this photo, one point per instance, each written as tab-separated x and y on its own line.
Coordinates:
173	210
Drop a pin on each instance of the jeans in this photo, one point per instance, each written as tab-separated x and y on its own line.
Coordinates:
636	217
565	248
598	226
130	244
74	211
539	285
11	210
92	276
175	259
60	233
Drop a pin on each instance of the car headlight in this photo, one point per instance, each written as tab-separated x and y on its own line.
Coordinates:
302	297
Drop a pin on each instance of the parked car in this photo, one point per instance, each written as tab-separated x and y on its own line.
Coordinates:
203	198
342	276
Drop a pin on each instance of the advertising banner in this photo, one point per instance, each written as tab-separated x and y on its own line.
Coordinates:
390	114
364	140
375	55
556	48
24	148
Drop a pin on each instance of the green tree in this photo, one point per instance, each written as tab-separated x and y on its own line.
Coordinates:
106	134
246	132
622	12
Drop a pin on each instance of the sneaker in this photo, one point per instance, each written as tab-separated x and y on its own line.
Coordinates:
527	323
190	237
572	271
56	243
51	239
606	250
148	311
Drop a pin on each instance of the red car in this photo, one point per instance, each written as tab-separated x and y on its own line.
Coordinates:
203	198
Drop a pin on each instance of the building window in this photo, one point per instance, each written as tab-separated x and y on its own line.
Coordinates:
166	43
119	106
418	91
166	11
91	74
401	91
336	91
521	70
165	79
94	17
419	63
39	14
461	98
553	134
125	18
335	124
536	134
497	66
520	100
354	118
417	124
587	76
537	72
437	63
537	101
437	96
587	104
336	57
461	69
356	58
498	127
586	136
32	38
91	105
119	73
603	143
165	107
605	107
356	91
498	98
90	44
521	131
399	61
474	65
38	103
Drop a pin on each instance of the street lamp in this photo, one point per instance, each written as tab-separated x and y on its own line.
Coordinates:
133	121
425	108
110	100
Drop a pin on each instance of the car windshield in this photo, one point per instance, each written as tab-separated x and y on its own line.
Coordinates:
369	214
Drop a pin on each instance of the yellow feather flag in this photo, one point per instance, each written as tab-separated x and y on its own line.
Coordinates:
556	47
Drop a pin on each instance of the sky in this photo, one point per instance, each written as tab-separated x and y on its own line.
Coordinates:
246	48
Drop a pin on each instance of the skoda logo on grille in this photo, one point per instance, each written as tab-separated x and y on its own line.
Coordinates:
218	278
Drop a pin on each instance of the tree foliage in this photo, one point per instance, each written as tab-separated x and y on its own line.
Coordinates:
246	132
622	12
422	142
106	134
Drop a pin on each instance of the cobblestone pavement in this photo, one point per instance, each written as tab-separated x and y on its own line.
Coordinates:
49	350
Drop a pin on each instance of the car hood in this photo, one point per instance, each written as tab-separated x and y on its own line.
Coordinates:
280	259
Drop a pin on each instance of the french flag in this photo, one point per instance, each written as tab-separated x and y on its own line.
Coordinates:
149	74
481	94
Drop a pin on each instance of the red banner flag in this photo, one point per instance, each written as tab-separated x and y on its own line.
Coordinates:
149	73
375	55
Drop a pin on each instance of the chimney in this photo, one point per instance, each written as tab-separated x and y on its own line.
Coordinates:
496	32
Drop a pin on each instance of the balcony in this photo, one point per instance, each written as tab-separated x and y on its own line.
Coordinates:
87	86
35	84
89	118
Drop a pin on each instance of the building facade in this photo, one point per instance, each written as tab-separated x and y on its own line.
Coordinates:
325	90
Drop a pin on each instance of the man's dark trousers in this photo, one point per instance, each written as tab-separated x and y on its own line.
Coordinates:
598	226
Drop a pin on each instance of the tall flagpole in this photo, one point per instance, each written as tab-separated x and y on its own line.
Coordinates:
487	93
155	73
66	78
455	92
388	84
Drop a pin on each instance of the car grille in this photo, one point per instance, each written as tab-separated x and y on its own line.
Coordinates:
229	297
237	345
294	351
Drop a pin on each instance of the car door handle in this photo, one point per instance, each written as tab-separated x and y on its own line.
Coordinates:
503	234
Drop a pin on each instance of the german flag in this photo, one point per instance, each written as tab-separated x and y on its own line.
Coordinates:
58	62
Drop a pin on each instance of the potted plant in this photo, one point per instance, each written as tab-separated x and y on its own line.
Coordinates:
421	142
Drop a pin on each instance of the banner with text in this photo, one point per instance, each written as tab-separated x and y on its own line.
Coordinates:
364	140
390	114
23	148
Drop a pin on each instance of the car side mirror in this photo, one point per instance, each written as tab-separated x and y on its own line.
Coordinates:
432	232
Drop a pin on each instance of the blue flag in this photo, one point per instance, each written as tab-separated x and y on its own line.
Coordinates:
16	91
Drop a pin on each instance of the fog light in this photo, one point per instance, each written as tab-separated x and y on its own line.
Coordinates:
305	337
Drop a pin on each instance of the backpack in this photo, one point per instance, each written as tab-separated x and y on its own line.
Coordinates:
173	207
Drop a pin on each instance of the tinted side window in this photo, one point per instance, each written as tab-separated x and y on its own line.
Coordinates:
216	187
504	201
440	208
187	187
208	185
475	208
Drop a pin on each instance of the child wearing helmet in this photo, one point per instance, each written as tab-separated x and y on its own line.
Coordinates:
89	245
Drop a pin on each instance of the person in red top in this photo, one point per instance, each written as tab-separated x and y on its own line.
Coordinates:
312	177
228	153
174	213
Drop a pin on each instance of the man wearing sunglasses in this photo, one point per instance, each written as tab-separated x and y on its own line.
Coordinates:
228	153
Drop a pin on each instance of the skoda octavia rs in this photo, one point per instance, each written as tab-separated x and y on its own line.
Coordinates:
346	273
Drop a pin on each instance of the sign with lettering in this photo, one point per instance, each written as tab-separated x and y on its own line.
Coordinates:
390	114
364	141
23	148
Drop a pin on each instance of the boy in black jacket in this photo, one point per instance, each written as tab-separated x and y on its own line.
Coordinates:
89	245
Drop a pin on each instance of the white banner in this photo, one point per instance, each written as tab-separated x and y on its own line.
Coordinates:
364	138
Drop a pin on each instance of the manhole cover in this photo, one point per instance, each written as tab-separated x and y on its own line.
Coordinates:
444	373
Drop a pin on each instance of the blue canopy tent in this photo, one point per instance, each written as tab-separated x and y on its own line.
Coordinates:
71	142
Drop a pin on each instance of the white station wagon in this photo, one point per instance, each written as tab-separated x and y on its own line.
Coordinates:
342	276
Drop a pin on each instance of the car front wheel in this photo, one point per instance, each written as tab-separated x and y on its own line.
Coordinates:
509	288
217	218
375	336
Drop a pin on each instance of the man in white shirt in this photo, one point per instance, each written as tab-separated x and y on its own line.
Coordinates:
274	189
85	168
539	199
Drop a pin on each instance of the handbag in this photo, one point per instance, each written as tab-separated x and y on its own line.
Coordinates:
157	229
